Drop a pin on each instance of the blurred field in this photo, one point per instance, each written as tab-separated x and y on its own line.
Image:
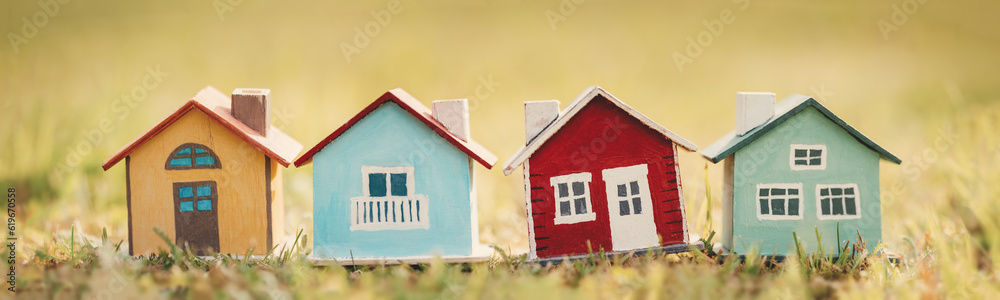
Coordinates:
927	91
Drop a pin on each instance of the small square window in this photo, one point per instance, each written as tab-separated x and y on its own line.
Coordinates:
204	204
187	205
563	190
186	192
581	205
808	157
779	201
376	184
398	181
204	191
622	191
565	209
837	201
623	209
578	188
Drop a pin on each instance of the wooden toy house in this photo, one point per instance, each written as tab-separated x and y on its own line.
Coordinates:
599	176
396	183
797	167
209	176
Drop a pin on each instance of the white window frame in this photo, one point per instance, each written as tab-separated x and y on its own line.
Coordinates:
786	186
584	177
819	203
408	216
822	157
366	170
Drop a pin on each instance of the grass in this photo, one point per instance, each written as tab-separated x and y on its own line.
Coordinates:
927	92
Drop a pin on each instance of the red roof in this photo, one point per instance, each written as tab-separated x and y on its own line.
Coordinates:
277	145
422	113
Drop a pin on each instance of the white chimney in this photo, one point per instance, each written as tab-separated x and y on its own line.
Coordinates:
253	108
454	115
752	110
537	116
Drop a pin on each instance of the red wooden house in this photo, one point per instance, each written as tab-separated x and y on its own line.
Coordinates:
599	176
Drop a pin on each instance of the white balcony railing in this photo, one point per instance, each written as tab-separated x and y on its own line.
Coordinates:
389	213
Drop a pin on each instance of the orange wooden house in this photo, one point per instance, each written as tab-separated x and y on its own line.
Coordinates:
209	176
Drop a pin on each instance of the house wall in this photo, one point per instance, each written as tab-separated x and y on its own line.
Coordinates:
391	137
240	182
599	137
766	160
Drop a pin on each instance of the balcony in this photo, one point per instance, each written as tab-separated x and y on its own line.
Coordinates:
389	213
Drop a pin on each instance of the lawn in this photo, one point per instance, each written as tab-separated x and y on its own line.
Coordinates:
81	79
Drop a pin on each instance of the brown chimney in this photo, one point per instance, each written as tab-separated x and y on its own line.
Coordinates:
253	108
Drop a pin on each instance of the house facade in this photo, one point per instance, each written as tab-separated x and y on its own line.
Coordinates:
797	167
599	176
207	179
397	181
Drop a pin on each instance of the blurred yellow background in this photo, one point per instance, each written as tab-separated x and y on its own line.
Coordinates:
905	73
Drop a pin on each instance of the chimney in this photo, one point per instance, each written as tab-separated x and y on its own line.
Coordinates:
537	116
253	108
752	110
454	115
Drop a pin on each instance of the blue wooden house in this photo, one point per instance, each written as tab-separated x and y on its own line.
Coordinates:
396	181
797	167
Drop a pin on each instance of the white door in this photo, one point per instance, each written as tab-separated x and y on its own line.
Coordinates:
630	208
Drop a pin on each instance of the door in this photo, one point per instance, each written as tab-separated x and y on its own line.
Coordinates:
196	217
630	208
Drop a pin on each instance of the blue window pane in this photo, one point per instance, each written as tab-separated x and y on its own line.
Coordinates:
398	181
204	161
186	192
187	206
180	162
199	150
204	191
204	204
184	151
376	184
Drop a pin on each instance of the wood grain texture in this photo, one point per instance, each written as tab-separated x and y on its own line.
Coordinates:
253	108
601	136
242	221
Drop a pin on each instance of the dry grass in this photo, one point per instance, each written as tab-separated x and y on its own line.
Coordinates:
927	93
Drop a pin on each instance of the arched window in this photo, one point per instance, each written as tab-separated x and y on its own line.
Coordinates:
192	156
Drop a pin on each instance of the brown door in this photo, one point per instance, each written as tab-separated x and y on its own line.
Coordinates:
196	217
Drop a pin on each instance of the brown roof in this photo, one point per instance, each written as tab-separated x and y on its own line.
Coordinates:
277	145
422	113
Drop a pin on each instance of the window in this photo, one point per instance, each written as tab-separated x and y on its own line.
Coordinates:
192	156
838	201
808	157
572	195
780	201
635	203
195	196
388	201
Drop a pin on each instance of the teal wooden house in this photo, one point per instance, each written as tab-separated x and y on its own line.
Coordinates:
797	167
395	184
